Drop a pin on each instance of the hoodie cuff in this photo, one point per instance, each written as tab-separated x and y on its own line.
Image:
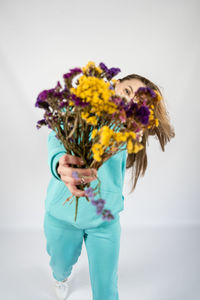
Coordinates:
54	163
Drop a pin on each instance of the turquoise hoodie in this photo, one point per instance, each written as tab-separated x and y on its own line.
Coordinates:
111	174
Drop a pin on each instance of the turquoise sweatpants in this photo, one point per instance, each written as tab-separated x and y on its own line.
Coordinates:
64	243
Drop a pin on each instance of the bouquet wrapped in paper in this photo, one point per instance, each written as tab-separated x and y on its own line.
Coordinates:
94	123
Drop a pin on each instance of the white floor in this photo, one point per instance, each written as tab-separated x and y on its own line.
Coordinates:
155	264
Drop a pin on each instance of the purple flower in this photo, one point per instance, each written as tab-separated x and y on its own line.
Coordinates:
89	192
143	114
110	73
72	72
41	101
58	85
130	108
58	94
111	87
99	210
99	205
117	100
103	67
43	95
93	201
145	90
63	103
100	202
106	215
78	101
113	72
41	123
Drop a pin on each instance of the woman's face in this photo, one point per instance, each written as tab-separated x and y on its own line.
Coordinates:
128	87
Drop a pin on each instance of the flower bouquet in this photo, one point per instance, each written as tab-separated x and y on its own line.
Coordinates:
94	123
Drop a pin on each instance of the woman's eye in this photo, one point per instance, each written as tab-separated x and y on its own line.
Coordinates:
127	91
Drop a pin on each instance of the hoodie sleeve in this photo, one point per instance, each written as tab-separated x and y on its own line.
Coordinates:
56	150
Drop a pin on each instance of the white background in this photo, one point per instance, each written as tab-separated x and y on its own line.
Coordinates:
42	40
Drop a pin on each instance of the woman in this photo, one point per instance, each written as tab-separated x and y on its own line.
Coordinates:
64	236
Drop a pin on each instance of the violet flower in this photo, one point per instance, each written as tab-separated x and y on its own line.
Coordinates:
107	214
72	72
99	205
42	102
58	85
78	101
89	192
145	90
113	72
63	103
41	123
103	67
130	108
110	73
143	114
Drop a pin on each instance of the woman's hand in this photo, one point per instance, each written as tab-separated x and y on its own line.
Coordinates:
65	172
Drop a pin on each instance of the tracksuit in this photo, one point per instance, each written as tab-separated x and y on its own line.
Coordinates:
64	235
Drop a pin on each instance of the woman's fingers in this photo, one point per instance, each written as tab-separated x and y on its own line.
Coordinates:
72	182
70	159
86	172
67	176
65	170
77	181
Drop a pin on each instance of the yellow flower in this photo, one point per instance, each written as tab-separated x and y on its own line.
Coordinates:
130	146
94	133
95	91
159	97
97	157
97	148
113	81
98	113
137	147
71	103
134	148
132	134
99	70
151	116
120	136
105	138
89	65
92	120
97	151
105	128
156	122
84	115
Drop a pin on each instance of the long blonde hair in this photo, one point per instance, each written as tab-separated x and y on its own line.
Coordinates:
164	132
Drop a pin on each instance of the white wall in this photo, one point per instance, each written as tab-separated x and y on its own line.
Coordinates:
41	40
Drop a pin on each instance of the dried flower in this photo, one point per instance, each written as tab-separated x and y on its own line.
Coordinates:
93	122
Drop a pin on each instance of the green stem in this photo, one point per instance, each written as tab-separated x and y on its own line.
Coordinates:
76	208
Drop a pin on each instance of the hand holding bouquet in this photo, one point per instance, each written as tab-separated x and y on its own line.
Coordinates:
94	123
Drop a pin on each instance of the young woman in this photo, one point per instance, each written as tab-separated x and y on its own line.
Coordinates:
64	236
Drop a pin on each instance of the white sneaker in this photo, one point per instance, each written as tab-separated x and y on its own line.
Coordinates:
61	289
